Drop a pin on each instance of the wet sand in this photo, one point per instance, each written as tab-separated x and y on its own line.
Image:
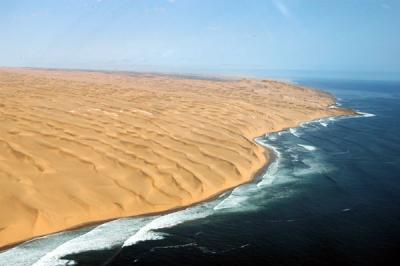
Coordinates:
79	147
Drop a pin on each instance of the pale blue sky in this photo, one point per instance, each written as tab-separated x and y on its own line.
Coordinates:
345	35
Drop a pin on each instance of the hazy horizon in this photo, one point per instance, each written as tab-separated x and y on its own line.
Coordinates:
358	38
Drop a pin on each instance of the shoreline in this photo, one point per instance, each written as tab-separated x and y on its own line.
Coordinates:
253	179
254	128
94	223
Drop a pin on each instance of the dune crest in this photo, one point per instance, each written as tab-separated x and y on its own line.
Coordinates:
78	147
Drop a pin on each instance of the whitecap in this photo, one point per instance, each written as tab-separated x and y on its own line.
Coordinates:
307	147
233	201
295	157
294	132
313	166
324	124
238	198
363	114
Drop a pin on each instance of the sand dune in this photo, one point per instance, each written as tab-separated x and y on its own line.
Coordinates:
78	147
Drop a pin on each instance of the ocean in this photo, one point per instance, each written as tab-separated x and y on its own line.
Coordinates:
331	197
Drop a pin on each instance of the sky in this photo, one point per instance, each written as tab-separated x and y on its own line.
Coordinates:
326	35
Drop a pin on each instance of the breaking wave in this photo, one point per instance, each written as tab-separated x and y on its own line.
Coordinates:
308	147
104	236
289	163
294	132
363	114
147	232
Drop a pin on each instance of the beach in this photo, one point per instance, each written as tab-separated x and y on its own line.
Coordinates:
78	147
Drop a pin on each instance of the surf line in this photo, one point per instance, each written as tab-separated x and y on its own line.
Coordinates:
266	173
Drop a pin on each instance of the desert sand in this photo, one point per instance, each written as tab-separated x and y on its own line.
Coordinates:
79	147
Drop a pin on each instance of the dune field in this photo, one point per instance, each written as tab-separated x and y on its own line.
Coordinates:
79	147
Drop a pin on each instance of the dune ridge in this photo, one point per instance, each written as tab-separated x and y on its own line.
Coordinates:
78	147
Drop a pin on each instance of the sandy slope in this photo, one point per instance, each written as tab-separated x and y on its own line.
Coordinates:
77	147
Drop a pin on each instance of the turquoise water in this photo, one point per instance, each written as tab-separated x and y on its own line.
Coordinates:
332	196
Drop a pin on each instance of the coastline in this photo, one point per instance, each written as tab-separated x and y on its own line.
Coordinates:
254	178
266	162
212	197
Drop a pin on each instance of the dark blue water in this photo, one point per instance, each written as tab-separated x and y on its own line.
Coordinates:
331	197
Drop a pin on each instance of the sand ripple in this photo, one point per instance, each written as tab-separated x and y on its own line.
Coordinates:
78	147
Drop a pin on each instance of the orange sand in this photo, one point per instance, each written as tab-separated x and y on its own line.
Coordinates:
78	147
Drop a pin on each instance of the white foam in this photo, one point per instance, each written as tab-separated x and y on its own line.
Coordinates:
169	220
29	252
123	232
314	166
233	201
308	147
126	232
103	236
238	200
295	157
270	175
363	114
323	122
294	132
335	105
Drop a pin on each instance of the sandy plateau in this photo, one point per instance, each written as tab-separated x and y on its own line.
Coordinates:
78	147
